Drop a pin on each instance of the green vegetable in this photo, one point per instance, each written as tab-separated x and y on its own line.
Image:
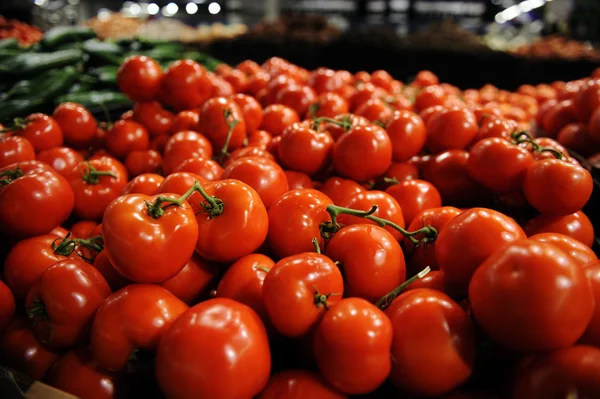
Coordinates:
31	63
105	51
13	108
80	87
66	34
96	99
11	43
105	74
5	53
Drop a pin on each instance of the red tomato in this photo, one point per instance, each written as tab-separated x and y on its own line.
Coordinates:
7	305
439	361
468	239
329	105
126	136
143	161
375	110
362	153
41	130
263	175
304	149
570	371
425	78
249	151
298	291
429	97
454	128
325	80
77	124
158	143
361	361
277	117
587	100
544	185
95	184
193	281
434	280
340	190
217	117
415	196
407	135
185	85
249	67
594	126
298	180
337	129
83	228
531	297
135	317
62	319
186	120
577	137
496	127
294	220
297	97
581	253
185	145
21	351
79	374
364	93
61	159
113	278
257	83
259	138
237	79
252	111
371	259
33	199
576	225
154	117
14	149
148	247
402	171
243	282
299	384
206	168
217	349
558	117
180	183
592	333
140	77
146	183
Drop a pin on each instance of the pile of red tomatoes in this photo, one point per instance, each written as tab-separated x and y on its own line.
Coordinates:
267	231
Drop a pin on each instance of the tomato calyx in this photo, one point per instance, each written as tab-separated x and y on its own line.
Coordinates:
524	137
379	123
8	176
345	122
231	124
320	300
92	175
212	205
68	245
388	298
38	312
18	124
313	109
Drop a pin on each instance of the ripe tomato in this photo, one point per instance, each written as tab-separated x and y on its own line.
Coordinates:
243	282
531	297
7	305
148	247
337	129
328	104
154	117
387	208
297	97
249	151
61	159
20	350
453	128
237	79
361	361
325	80
126	136
61	319
143	161
468	239
158	143
252	111
298	384
407	135
429	97
375	110
259	138
95	184
193	281
83	228
364	93
206	168
571	371
185	145
402	171
294	220
258	82
298	291
576	225
265	176
140	78
434	280
146	183
558	117
33	199
77	124
180	183
249	67
185	85
217	349
592	333
304	149
14	149
415	196
581	253
277	117
594	126
577	137
340	190
371	259
41	130
113	278
362	153
439	361
544	187
186	120
298	180
79	374
496	127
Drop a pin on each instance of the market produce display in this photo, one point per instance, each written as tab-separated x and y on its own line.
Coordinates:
272	232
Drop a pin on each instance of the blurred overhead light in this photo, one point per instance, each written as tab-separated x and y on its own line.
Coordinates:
191	8
214	8
153	9
170	9
135	9
40	2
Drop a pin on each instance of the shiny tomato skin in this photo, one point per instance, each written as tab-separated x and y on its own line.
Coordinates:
297	97
277	117
92	196
359	362
14	149
468	239
415	196
113	278
259	138
180	183
299	384
185	145
126	136
143	161
185	85
250	151
154	117
186	120
576	225
371	259
558	117
577	137
328	104
206	168
217	349
213	123
403	171
135	317
42	131
294	220
429	97
77	124
546	182
7	305
193	281
252	111
362	153
140	77
336	131
243	282
298	180
265	176
592	333
581	253
67	318
325	80
304	150
454	128
145	249
531	297
239	230
39	188
291	288
83	228
434	280
407	134
146	183
375	110
61	159
559	374
339	189
439	361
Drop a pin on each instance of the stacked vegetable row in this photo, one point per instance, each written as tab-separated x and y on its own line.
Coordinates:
269	231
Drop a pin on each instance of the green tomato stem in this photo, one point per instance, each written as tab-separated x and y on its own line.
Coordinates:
92	175
389	298
524	137
231	124
212	205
